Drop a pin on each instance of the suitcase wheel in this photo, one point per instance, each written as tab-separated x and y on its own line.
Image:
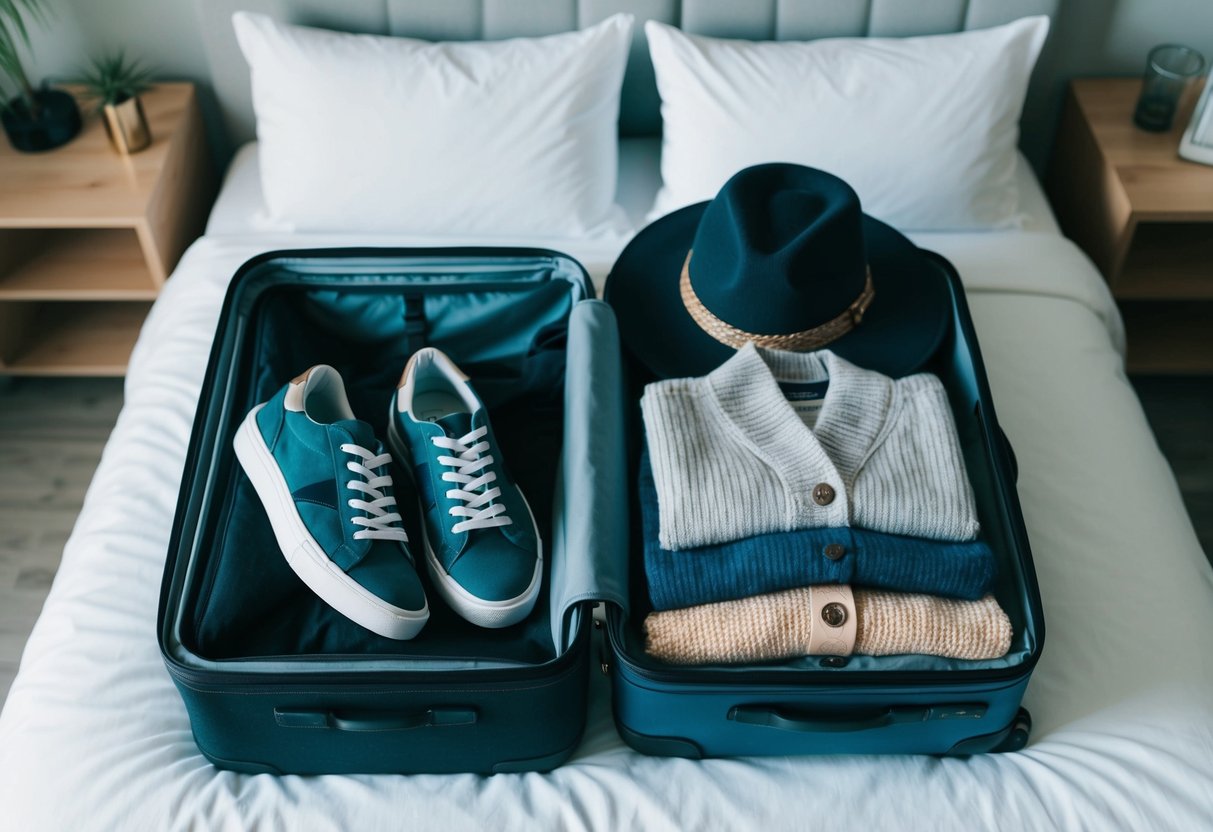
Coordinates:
1012	738
1017	737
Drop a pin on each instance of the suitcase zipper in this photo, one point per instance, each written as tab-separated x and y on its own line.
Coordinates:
885	678
691	675
278	682
355	260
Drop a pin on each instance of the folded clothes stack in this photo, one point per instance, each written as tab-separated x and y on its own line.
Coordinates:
779	480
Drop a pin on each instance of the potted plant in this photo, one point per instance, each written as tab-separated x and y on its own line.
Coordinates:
115	83
35	119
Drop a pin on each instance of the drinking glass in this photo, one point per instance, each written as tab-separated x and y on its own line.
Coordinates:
1168	70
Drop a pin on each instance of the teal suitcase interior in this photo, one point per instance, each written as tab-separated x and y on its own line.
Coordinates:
273	679
858	704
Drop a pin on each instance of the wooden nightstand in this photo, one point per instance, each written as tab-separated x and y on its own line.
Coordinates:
1145	217
88	236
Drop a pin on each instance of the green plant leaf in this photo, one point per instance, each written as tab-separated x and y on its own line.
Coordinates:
10	10
112	78
13	32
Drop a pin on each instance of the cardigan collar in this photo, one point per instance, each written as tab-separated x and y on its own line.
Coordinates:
852	417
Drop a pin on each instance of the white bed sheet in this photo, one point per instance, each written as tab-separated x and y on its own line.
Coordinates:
240	207
95	736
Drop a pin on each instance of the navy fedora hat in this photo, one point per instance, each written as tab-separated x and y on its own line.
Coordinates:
784	257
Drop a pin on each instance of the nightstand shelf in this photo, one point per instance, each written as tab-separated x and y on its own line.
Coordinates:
1170	337
1168	260
1145	216
88	237
74	264
71	338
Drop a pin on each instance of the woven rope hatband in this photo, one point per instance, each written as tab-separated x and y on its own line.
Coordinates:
808	339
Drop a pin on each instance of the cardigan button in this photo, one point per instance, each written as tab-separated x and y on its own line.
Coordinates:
823	493
834	614
834	551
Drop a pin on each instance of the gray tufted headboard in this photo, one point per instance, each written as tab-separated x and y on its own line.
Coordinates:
496	19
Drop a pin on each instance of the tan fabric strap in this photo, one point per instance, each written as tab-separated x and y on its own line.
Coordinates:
294	392
832	611
808	339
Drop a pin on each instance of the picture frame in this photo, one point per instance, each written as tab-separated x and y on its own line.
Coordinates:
1197	142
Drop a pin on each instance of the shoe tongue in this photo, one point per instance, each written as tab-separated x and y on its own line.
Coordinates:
356	431
455	425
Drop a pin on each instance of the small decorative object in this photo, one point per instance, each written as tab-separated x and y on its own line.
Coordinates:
116	83
35	119
1169	68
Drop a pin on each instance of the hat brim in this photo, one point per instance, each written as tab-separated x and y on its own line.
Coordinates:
900	331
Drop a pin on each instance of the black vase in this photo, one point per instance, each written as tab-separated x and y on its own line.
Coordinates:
57	123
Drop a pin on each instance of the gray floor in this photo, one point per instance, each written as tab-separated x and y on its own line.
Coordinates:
51	435
52	432
1181	412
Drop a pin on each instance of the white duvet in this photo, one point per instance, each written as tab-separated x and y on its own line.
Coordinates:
95	736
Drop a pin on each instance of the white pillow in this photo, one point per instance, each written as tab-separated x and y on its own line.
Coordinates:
365	133
924	128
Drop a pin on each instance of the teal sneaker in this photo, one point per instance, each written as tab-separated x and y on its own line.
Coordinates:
325	483
482	546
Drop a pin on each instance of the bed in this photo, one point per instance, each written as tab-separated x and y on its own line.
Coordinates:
95	736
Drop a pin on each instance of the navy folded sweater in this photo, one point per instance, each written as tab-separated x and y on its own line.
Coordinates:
785	560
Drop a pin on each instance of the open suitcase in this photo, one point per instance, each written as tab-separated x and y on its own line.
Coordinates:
856	704
276	681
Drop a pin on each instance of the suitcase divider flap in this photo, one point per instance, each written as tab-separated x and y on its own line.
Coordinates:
590	549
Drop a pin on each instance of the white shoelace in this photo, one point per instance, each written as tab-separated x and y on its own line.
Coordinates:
469	473
384	521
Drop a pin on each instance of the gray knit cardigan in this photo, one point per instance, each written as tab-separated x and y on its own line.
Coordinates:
732	459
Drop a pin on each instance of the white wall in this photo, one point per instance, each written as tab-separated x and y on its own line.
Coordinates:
1106	37
1090	37
163	34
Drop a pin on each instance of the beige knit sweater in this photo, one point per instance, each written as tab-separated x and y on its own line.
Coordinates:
778	626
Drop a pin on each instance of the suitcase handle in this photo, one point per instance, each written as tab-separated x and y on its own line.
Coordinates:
373	720
843	723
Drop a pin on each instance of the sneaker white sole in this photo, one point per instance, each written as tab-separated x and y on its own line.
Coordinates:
305	556
491	615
